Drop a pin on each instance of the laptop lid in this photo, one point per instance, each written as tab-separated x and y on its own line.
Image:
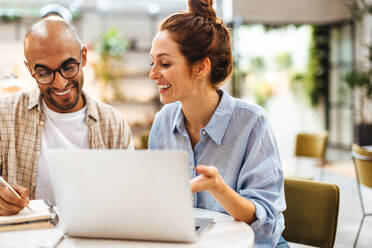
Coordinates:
142	195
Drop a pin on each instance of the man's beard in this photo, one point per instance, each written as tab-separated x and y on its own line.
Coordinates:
67	107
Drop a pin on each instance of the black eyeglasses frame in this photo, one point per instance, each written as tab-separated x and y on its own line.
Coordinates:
59	70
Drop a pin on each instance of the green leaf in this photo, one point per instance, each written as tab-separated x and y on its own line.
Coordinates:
112	44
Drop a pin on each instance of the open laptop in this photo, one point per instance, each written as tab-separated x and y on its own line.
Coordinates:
141	195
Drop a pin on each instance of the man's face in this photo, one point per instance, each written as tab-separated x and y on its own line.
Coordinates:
62	94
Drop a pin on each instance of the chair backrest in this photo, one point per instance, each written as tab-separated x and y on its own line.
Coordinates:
311	144
312	212
363	163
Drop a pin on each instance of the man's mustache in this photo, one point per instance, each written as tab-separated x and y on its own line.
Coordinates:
70	84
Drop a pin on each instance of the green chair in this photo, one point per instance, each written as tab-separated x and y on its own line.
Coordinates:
312	212
312	145
363	169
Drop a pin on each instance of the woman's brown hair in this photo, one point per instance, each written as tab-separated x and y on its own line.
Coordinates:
199	34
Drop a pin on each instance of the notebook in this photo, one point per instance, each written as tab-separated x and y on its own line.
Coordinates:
41	216
140	195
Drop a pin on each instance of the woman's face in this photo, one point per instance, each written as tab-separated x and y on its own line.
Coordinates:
170	70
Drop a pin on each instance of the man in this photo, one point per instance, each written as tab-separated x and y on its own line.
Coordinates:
56	10
56	114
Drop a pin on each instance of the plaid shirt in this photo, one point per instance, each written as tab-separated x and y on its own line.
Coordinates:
21	124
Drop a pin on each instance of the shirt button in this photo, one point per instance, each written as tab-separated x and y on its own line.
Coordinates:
192	167
193	198
204	132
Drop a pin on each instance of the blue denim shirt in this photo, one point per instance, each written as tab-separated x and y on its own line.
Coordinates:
239	142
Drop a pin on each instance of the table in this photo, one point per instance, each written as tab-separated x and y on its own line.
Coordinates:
224	233
369	148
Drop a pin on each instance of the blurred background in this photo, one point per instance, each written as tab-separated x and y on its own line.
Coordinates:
308	63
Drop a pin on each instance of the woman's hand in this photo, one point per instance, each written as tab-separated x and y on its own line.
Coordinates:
208	179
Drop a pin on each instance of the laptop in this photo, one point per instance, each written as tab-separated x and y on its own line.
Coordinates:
139	195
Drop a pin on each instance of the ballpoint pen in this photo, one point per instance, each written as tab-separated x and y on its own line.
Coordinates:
8	187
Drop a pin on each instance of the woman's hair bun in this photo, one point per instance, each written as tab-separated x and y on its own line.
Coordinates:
202	8
199	35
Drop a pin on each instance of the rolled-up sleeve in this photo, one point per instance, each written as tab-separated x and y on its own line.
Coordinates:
261	179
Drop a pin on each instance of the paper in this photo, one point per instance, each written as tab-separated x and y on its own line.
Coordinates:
40	238
40	211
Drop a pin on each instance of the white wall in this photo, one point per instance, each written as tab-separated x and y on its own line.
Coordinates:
291	11
140	27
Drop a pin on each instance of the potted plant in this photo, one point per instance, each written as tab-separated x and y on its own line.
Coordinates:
362	80
111	47
261	89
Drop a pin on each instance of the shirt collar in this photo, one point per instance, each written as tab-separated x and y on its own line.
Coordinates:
217	125
92	108
179	121
35	101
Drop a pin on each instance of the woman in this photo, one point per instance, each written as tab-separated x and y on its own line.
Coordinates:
238	167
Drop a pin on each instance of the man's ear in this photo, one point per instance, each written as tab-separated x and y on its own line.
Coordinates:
28	66
84	56
202	67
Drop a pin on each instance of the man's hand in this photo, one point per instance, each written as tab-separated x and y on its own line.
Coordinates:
208	179
10	204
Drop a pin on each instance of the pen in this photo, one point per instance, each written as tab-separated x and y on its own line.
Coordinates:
8	187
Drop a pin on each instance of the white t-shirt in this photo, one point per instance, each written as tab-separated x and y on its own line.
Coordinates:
59	132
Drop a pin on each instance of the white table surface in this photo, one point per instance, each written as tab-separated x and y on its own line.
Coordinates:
368	147
224	233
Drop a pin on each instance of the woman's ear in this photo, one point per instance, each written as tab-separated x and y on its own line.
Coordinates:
202	68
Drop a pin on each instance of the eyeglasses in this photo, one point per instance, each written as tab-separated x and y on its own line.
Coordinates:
67	70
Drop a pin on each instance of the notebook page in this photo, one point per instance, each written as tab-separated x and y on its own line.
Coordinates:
40	211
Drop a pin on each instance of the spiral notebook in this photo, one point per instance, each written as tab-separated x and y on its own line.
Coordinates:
41	216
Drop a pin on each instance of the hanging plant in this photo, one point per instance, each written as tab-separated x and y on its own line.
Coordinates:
362	80
9	15
318	67
359	9
314	82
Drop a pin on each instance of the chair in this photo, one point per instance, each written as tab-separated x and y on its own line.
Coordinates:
363	169
312	145
312	212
